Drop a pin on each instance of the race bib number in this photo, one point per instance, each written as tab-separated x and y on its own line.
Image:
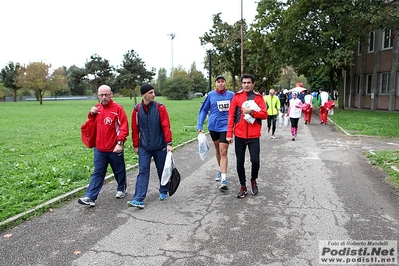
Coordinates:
223	106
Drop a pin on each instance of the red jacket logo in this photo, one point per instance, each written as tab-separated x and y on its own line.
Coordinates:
108	121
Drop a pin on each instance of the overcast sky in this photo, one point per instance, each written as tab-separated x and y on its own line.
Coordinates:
66	33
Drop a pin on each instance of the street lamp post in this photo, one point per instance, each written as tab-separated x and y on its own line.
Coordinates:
210	69
242	41
172	36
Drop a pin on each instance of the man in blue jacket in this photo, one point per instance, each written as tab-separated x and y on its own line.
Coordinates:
217	104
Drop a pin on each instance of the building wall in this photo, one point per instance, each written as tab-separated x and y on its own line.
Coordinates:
360	94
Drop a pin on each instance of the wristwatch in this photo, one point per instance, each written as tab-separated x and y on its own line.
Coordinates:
120	143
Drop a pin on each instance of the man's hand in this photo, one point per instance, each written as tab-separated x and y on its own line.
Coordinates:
169	148
118	148
93	110
246	110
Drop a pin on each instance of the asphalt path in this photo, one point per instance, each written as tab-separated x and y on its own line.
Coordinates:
319	187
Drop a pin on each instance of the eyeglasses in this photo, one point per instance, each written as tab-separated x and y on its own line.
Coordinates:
104	95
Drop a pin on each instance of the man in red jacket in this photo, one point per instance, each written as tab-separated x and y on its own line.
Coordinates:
152	138
111	133
247	110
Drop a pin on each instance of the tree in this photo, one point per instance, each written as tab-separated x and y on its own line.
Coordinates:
77	83
161	79
263	62
178	87
133	73
320	36
8	76
98	72
226	41
199	81
58	81
2	92
34	76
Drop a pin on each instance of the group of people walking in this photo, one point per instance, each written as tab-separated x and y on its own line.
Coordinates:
241	114
232	118
235	117
151	137
299	101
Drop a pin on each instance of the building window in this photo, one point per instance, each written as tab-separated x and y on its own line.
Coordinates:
358	85
384	83
387	40
368	85
371	41
359	48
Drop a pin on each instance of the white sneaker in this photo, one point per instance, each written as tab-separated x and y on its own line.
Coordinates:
87	201
273	136
120	195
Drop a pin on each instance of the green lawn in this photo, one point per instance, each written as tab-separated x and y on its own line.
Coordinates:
42	155
368	122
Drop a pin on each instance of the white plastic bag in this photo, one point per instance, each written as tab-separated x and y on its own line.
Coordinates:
252	105
286	121
167	169
331	112
203	146
280	118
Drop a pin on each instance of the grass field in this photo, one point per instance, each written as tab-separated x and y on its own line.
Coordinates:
42	155
368	122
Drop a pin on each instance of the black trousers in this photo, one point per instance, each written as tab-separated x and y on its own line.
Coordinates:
271	121
254	153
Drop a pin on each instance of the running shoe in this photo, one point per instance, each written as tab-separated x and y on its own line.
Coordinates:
219	176
223	185
136	203
254	187
87	201
163	196
120	195
243	192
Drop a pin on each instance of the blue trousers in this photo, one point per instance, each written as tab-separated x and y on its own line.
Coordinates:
143	177
101	161
254	153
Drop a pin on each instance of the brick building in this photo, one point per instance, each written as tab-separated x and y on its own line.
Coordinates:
373	82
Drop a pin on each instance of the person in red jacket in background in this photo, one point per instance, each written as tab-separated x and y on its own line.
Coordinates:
247	110
112	130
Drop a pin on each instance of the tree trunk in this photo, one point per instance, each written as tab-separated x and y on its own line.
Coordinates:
340	89
233	79
41	96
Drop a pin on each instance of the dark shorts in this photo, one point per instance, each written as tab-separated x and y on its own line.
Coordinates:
220	136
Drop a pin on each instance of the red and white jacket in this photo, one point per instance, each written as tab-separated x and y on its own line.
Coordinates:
237	125
112	126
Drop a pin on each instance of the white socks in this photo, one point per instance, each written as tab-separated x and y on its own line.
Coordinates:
223	177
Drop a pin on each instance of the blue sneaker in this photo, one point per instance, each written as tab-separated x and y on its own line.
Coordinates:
223	185
219	176
163	196
136	203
